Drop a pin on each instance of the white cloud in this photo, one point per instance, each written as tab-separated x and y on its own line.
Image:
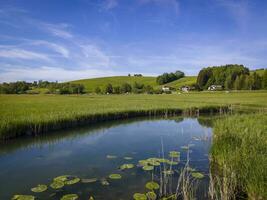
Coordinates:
51	74
59	30
174	4
23	54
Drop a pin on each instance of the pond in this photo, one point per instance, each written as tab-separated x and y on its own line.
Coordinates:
96	152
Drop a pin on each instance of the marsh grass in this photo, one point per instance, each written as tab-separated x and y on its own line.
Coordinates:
239	157
37	114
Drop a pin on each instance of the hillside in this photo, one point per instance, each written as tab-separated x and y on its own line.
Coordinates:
258	71
91	84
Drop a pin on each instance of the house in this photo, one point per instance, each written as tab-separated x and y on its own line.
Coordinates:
166	88
215	87
185	88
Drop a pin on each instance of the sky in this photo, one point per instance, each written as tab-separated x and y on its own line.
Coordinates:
61	40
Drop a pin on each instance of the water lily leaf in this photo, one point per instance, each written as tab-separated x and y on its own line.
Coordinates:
143	162
172	163
115	176
89	180
151	195
91	198
72	181
197	175
23	197
61	178
128	158
168	172
139	196
190	169
57	184
152	185
185	147
70	197
162	160
126	166
174	154
104	182
39	188
111	156
148	168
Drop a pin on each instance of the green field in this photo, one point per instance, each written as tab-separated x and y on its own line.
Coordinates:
91	84
21	114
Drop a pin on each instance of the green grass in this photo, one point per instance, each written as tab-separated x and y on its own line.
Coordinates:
91	84
32	114
240	149
260	72
186	81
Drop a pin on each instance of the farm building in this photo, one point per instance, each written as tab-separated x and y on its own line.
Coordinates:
215	87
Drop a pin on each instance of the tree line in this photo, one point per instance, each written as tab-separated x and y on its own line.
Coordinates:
231	77
169	77
136	88
22	87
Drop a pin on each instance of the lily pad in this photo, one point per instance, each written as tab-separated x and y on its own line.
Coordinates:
143	162
70	197
126	166
61	178
115	176
198	175
151	195
152	185
72	181
23	197
128	158
89	180
148	168
111	156
168	172
185	147
57	185
139	196
174	154
91	198
39	188
172	163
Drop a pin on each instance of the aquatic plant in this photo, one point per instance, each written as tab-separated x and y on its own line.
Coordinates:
39	188
197	175
126	166
57	184
111	156
23	197
174	154
152	185
70	197
151	195
104	182
148	168
139	196
115	176
88	180
128	158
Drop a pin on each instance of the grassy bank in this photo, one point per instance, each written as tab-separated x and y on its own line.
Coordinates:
240	150
34	114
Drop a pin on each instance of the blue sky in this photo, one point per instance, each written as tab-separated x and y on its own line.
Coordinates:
72	39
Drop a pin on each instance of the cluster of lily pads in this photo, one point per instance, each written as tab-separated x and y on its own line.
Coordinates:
148	164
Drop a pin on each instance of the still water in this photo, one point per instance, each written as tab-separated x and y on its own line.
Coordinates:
27	162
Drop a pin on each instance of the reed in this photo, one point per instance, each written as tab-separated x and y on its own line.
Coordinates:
238	156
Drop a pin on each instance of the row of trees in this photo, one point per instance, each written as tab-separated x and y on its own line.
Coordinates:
136	88
21	87
169	77
230	77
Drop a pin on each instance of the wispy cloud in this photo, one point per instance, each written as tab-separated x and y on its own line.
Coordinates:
59	30
174	4
110	4
23	54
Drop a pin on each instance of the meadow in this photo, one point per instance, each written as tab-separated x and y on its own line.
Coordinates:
35	114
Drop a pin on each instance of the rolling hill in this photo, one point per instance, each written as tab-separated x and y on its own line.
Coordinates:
91	84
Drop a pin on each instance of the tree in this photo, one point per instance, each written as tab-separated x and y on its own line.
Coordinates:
138	87
264	80
97	90
179	74
109	89
126	87
148	89
169	77
237	83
